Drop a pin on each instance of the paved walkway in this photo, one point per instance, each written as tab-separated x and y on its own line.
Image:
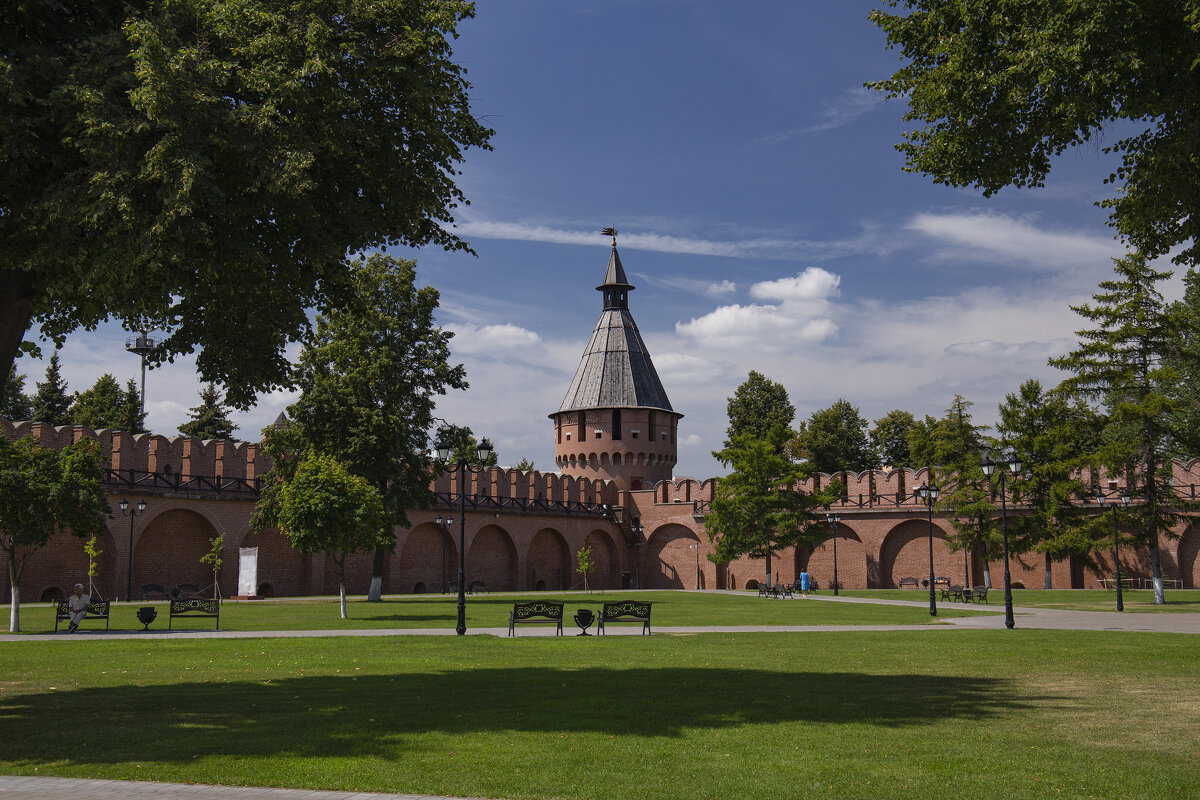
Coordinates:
1026	617
24	788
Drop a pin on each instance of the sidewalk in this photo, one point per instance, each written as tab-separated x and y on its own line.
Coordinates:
26	788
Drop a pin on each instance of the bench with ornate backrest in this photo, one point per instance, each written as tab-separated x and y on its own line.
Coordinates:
909	581
154	591
977	595
538	611
97	609
195	607
626	611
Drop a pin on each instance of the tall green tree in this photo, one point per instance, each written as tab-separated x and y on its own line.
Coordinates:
956	447
51	403
178	164
368	382
210	419
1122	362
14	404
758	509
133	420
323	507
1184	359
835	439
999	88
1053	438
889	438
760	407
44	491
104	405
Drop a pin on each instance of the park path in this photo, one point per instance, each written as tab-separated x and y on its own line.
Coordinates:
37	788
1026	617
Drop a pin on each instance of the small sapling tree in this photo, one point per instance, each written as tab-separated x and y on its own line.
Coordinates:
585	564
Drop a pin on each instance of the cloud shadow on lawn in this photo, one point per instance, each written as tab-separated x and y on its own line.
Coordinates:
385	715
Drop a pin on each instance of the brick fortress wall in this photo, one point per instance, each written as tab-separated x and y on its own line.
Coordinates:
521	534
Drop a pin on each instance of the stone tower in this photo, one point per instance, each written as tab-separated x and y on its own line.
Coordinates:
616	421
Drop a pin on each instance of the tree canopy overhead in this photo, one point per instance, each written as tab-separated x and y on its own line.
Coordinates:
205	167
1000	87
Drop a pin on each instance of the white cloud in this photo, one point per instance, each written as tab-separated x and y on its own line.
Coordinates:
490	339
844	109
1016	241
782	248
812	284
682	283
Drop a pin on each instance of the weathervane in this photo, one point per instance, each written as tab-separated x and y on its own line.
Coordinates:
610	232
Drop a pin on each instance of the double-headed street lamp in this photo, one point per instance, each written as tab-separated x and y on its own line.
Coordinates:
834	520
131	513
928	494
444	524
636	528
1116	552
1014	466
462	468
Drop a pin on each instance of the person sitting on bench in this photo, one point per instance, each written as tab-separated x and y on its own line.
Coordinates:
77	605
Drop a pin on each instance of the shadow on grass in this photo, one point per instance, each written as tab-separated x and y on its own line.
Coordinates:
386	716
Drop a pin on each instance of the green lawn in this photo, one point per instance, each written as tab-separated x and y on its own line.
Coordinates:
1137	600
491	611
1019	714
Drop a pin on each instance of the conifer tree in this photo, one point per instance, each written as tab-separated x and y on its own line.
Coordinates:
51	404
102	406
1053	438
133	420
1123	362
14	404
210	419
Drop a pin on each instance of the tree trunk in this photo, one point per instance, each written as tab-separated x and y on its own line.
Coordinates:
768	569
14	612
342	591
19	290
1160	597
1048	582
375	593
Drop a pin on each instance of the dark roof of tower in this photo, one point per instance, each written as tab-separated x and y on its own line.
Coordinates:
616	370
615	274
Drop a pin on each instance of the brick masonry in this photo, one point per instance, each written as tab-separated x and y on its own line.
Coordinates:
882	538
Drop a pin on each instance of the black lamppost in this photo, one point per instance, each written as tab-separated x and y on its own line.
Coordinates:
131	513
834	520
444	526
928	494
636	528
1116	552
462	468
1014	466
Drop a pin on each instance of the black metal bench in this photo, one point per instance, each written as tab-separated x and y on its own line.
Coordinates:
476	586
977	595
626	611
185	591
154	591
909	581
97	609
538	611
195	607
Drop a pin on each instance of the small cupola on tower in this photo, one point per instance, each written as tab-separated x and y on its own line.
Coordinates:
616	421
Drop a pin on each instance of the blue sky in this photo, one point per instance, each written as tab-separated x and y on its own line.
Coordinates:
764	216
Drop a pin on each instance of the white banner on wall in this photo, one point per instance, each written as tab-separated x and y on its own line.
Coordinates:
247	571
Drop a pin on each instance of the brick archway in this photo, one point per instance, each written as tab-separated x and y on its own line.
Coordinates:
492	558
604	554
169	549
426	548
549	561
670	562
851	560
905	553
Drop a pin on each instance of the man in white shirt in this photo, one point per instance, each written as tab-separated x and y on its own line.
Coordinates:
77	605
